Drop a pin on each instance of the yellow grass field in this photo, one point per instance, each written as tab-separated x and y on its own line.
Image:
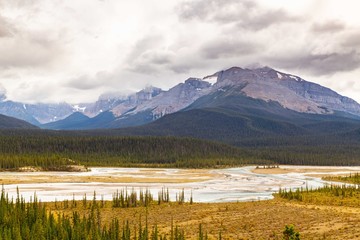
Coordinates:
242	220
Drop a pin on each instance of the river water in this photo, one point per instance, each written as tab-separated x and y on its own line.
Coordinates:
226	185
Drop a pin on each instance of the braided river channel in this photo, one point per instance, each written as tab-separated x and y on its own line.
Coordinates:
216	185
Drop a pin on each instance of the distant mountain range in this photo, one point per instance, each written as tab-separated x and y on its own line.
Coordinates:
236	101
14	123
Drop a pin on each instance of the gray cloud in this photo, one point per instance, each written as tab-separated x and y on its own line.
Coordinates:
188	63
148	55
86	82
227	48
181	67
266	19
166	43
214	10
151	61
21	47
6	29
319	64
83	82
25	52
328	27
245	14
352	41
144	44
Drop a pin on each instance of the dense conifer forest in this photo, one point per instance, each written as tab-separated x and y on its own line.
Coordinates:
52	152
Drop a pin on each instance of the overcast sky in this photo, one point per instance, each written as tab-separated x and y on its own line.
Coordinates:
61	50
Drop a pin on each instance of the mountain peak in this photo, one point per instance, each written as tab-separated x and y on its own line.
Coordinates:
261	83
244	75
197	83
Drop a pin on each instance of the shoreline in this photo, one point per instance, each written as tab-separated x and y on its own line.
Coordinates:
316	171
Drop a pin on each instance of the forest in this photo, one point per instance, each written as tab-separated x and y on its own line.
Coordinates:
53	152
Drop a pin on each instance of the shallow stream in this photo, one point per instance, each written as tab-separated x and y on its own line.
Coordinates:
220	185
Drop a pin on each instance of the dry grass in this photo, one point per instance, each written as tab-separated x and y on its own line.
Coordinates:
245	220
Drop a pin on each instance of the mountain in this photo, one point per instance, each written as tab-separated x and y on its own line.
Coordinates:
230	116
135	100
246	105
13	123
166	102
42	113
74	121
106	111
36	113
290	91
105	103
261	92
144	106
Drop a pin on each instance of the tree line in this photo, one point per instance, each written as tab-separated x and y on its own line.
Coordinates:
338	195
51	151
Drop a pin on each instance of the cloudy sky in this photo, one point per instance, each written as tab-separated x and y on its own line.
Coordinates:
61	50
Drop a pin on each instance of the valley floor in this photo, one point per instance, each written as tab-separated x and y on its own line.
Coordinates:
332	214
245	220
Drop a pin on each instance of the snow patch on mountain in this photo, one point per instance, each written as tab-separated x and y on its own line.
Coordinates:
211	79
294	77
291	92
78	108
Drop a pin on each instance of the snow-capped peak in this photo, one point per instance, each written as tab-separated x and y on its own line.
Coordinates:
77	108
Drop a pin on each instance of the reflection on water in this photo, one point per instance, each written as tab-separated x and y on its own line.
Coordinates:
235	184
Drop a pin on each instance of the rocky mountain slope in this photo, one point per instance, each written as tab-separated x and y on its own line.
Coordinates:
288	91
35	113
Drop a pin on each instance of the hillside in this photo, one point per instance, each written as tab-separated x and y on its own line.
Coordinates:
13	123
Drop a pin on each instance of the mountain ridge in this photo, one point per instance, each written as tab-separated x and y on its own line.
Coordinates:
150	104
7	122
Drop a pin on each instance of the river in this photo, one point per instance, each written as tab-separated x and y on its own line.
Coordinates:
219	185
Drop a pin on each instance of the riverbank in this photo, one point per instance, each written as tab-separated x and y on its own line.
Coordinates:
61	168
315	171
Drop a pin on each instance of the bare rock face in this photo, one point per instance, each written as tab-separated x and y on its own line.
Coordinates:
290	91
135	100
175	99
36	113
